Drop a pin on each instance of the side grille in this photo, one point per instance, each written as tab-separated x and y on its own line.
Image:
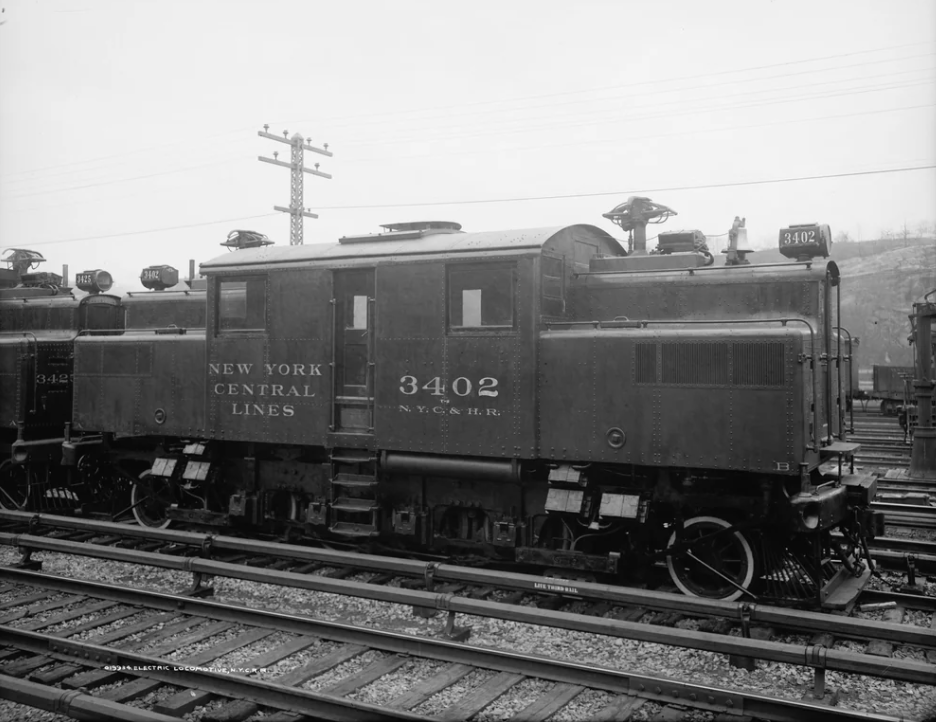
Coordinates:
693	362
712	363
646	363
757	364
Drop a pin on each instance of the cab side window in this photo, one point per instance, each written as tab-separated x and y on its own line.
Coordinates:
241	304
481	297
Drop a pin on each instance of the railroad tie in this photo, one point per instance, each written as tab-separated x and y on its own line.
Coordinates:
879	647
425	689
188	699
238	710
541	709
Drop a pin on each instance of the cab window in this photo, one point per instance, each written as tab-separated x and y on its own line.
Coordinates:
241	304
481	297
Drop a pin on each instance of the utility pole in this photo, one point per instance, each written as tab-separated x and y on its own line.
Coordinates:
297	211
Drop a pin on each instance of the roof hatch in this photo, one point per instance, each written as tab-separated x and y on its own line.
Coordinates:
405	231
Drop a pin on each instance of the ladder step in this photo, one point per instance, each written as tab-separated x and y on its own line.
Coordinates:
344	479
348	504
353	456
350	529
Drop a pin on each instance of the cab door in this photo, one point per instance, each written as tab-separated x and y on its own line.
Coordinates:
354	352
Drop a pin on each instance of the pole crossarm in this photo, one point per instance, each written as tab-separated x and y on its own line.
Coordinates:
290	166
303	211
287	141
296	208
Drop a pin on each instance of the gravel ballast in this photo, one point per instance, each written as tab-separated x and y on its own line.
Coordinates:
913	702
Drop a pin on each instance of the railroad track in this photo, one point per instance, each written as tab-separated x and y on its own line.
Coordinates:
885	448
916	516
600	608
170	649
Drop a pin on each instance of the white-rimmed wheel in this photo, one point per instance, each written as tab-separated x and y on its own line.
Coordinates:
713	565
151	498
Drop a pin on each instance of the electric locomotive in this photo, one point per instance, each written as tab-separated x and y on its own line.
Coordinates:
40	317
541	396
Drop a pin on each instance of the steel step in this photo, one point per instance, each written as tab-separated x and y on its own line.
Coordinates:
350	529
354	505
354	480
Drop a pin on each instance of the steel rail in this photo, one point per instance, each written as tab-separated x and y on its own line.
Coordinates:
804	655
74	703
896	560
908	601
920	509
800	620
274	695
269	694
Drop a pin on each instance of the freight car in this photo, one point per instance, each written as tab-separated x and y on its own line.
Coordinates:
40	317
538	396
891	387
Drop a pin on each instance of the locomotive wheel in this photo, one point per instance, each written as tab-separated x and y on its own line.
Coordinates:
151	498
728	556
14	486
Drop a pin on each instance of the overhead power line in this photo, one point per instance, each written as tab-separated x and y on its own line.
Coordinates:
630	138
595	120
321	120
682	90
651	81
633	191
47	191
504	200
151	230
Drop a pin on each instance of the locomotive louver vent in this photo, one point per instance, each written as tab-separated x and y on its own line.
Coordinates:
757	364
712	363
695	363
646	363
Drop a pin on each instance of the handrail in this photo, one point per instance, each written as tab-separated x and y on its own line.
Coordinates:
334	359
851	375
692	271
35	375
826	321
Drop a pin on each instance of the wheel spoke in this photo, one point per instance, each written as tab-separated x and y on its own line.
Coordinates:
717	563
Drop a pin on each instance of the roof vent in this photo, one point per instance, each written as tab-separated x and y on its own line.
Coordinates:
239	240
405	231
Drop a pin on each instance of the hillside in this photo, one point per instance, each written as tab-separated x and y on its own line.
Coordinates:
878	292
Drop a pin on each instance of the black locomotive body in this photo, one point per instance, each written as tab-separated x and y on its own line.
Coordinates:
533	395
39	321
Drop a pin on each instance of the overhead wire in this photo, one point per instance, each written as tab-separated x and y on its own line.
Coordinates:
525	129
681	90
630	138
619	119
326	119
501	200
619	86
152	230
705	186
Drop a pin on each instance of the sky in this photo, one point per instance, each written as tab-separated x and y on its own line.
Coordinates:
128	128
